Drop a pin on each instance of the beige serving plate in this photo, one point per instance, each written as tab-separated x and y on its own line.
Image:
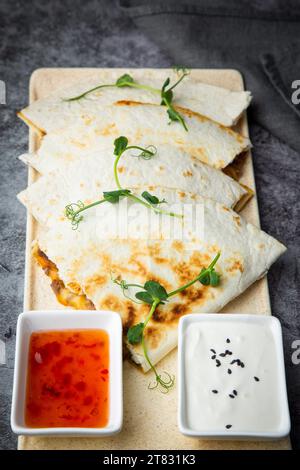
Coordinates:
150	418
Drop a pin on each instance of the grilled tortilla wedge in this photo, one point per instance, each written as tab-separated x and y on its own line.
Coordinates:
216	103
89	258
89	172
206	140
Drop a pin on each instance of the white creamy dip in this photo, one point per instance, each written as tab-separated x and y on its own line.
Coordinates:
224	396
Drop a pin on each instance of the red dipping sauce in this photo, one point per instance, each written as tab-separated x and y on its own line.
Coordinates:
68	379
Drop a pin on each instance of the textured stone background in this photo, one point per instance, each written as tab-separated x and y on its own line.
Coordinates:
96	34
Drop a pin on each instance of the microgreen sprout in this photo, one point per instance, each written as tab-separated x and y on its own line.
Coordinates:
155	294
149	200
74	211
125	286
165	93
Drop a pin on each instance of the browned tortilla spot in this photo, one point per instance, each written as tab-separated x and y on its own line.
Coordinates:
200	154
109	129
95	282
130	317
154	250
184	272
193	294
170	316
111	302
179	310
187	173
128	103
153	336
235	266
177	245
160	260
141	269
78	144
237	220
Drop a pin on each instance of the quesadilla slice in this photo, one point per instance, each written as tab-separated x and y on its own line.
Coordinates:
86	173
149	124
216	103
95	258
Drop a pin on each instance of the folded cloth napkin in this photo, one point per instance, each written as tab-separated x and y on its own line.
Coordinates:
261	39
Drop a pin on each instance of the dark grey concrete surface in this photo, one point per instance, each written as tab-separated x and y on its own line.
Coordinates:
96	34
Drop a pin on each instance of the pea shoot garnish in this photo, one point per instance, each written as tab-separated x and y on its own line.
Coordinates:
125	286
166	92
166	100
152	199
149	200
155	294
74	211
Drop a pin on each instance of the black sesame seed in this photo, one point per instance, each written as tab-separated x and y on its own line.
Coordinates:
229	371
228	352
256	379
222	355
213	351
228	426
231	396
227	340
242	365
218	363
213	357
234	361
234	392
215	391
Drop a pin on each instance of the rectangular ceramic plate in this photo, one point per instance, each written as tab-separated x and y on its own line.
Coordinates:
150	418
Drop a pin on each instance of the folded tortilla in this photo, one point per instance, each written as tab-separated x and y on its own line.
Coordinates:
169	250
86	174
149	124
219	104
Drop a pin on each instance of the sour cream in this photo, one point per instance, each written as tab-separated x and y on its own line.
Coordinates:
233	375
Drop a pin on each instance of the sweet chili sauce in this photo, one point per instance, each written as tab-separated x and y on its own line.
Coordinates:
68	379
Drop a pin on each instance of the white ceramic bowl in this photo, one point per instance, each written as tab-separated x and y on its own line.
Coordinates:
275	328
29	322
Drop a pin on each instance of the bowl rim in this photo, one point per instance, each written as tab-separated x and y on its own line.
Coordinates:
229	435
117	363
